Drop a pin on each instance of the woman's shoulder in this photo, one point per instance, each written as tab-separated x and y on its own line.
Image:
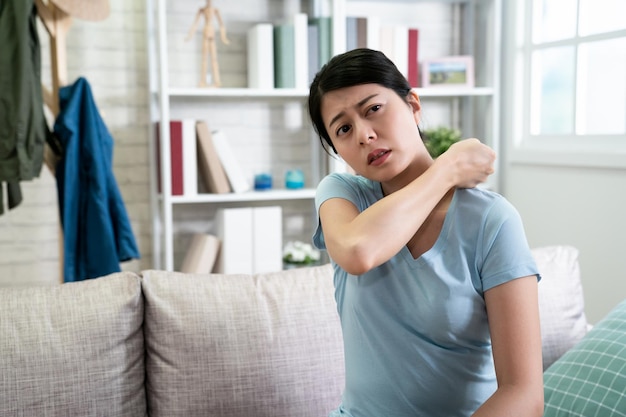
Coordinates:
479	195
345	179
483	200
360	190
485	204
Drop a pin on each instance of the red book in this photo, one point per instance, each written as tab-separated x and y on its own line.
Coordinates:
413	75
176	156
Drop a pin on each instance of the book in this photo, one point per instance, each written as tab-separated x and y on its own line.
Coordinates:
364	31
233	169
284	59
373	32
176	157
234	229
400	48
300	22
361	32
190	158
267	239
261	56
352	34
201	254
251	239
210	167
413	55
313	50
325	38
394	43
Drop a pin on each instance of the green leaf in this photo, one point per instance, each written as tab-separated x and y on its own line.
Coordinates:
438	140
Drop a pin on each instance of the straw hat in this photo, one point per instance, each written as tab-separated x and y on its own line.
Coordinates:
93	10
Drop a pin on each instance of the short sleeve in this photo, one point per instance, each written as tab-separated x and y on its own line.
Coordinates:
358	190
505	251
331	186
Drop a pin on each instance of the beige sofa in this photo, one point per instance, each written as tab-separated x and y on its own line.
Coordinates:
171	344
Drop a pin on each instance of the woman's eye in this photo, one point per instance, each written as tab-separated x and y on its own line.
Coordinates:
343	130
374	108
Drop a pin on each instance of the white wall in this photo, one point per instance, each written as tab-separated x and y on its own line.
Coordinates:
582	207
571	205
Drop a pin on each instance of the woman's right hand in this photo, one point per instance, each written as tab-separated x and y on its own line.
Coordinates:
470	162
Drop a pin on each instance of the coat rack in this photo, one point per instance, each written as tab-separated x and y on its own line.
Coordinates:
57	24
56	16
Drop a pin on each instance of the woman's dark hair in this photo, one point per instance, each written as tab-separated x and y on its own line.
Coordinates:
355	67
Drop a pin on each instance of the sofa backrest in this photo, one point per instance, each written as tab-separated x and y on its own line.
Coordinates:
561	301
73	350
243	345
224	346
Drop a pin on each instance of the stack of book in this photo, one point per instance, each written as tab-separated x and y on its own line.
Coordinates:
248	240
198	154
288	54
398	42
201	254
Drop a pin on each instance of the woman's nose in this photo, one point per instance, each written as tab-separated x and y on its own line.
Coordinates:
365	134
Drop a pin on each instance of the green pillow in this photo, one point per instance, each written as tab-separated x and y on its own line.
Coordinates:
590	379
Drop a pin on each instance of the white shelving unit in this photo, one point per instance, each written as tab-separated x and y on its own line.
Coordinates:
474	27
169	95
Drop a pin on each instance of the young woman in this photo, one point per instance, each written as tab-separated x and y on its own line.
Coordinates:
435	284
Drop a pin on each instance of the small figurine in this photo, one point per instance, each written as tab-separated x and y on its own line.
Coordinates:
209	51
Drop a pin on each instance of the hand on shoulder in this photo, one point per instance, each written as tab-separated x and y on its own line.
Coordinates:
469	161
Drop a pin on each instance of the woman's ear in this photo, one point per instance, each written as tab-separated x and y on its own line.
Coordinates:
416	107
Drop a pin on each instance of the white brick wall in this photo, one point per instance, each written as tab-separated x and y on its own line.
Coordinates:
112	56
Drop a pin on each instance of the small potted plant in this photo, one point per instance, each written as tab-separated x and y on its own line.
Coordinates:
298	253
438	140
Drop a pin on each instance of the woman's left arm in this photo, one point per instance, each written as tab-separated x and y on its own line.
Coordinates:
513	313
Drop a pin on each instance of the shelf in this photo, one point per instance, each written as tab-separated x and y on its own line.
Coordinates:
271	109
251	196
238	92
245	93
418	1
454	92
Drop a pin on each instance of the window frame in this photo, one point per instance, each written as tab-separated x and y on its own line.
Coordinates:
592	150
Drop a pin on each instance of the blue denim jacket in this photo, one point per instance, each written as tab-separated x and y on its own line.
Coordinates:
96	229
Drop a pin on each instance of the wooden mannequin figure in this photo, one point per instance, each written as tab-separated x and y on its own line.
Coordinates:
209	50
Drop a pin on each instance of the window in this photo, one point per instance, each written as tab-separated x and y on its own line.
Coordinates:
570	89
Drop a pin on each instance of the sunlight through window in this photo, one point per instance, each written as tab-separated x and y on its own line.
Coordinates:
577	64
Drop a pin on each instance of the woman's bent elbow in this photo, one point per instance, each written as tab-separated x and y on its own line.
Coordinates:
355	263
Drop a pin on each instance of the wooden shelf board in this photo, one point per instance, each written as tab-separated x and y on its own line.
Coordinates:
251	196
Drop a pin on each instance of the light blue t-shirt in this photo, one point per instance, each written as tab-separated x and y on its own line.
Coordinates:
415	331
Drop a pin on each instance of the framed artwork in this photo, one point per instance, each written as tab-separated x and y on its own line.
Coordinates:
452	71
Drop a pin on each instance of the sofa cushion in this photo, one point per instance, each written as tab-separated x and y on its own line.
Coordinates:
561	303
590	379
73	350
243	345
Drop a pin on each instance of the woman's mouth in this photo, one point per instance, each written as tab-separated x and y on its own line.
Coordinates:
377	157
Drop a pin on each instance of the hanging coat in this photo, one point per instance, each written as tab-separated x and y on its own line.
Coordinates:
96	229
23	128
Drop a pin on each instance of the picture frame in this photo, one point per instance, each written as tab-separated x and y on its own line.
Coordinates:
446	72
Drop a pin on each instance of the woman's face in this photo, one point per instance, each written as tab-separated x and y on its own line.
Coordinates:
375	131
